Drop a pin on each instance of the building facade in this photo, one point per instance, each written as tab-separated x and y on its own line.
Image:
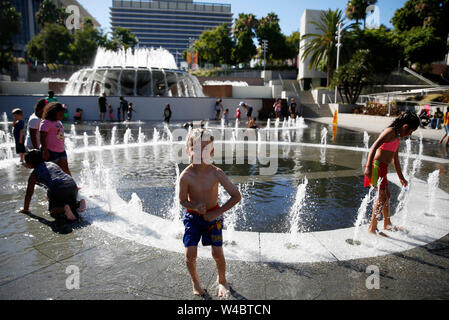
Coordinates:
28	9
309	77
170	24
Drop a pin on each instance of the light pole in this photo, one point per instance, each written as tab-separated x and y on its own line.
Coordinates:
339	45
265	48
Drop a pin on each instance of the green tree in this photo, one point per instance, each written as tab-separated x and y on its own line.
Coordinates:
268	28
215	46
385	46
356	10
293	44
321	47
353	76
10	22
51	45
422	46
85	43
121	38
49	13
244	33
423	13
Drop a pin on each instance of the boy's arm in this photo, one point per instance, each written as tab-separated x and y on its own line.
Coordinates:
33	133
29	193
45	153
232	190
397	166
184	197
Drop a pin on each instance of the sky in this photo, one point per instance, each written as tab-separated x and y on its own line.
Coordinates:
289	11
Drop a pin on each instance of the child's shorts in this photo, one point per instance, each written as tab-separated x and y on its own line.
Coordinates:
376	176
20	148
59	198
55	156
196	229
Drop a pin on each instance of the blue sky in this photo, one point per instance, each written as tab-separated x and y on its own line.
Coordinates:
289	11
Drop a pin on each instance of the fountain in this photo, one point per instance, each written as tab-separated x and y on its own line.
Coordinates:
113	136
141	137
433	183
156	136
98	138
139	72
296	212
4	117
128	137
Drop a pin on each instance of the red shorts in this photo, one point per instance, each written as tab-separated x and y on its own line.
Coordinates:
210	210
383	172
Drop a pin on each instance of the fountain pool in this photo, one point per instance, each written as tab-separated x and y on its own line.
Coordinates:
128	175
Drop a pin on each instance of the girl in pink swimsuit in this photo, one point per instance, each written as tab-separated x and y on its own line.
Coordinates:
382	153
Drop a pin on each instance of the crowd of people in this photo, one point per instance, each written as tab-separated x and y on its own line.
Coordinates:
437	121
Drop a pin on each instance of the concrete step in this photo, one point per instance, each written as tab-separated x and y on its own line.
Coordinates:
316	111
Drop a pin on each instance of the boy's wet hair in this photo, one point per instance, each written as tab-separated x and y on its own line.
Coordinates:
34	157
198	136
408	117
51	111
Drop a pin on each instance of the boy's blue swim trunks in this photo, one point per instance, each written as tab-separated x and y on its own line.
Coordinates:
196	229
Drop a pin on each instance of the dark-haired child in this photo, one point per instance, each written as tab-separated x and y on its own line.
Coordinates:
52	136
19	131
62	190
382	153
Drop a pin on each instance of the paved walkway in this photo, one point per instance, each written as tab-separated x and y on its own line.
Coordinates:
374	124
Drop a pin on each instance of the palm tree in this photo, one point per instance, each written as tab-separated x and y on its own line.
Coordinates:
321	46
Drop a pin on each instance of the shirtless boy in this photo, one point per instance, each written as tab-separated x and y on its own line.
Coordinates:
203	219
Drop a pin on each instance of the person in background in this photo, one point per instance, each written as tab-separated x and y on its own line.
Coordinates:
78	116
124	106
130	111
238	114
249	110
19	133
119	114
277	108
167	114
293	109
435	123
33	136
52	136
102	103
226	117
51	97
111	113
218	109
446	127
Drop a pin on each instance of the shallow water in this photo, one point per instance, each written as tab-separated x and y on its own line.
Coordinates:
334	192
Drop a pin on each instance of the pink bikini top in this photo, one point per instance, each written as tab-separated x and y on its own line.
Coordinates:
391	146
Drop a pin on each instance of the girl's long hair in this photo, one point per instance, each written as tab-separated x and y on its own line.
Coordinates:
51	111
408	117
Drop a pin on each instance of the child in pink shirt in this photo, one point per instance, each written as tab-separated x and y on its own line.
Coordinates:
52	136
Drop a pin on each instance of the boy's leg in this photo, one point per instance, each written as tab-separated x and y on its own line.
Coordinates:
191	254
223	286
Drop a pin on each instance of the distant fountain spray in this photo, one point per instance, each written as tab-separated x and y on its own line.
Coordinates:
432	187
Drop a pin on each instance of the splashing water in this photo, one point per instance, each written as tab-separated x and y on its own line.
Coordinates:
86	140
73	131
156	136
128	137
175	211
98	137
141	137
297	210
366	140
4	117
408	152
361	214
324	133
433	183
114	136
